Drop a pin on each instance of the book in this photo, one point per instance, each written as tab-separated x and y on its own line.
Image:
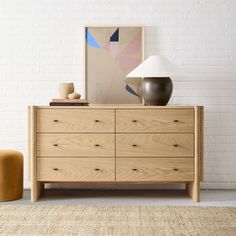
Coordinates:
69	100
68	104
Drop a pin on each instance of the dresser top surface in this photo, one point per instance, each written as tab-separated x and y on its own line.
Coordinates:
118	106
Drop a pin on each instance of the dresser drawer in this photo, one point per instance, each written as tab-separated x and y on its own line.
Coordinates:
75	120
153	120
75	169
155	169
79	145
154	145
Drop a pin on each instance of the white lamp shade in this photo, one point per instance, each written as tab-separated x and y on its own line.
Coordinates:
154	66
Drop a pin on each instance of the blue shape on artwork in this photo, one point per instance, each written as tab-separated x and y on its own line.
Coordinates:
115	36
130	90
91	41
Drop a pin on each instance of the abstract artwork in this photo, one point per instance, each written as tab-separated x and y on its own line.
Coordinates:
111	52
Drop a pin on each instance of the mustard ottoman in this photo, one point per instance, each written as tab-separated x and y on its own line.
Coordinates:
11	175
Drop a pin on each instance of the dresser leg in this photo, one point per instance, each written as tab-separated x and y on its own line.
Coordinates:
36	191
193	189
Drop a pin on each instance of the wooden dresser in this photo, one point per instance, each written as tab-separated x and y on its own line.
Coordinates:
116	144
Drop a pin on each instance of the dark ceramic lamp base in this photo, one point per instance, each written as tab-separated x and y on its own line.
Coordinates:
156	91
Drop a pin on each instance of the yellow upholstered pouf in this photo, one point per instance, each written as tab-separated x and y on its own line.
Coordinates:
11	175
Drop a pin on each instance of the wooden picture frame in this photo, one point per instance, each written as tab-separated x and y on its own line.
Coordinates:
116	96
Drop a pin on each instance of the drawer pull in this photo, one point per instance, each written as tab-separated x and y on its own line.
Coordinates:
96	145
55	169
134	145
134	169
96	120
97	169
55	145
175	169
176	121
175	145
134	121
55	120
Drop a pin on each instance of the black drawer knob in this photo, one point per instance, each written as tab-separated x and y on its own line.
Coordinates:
176	121
55	169
175	169
134	145
134	121
55	120
96	120
96	145
134	169
175	145
96	169
55	145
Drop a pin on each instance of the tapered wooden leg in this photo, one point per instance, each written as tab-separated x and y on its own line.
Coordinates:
36	186
193	189
36	191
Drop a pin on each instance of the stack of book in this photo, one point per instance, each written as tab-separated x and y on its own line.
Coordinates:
68	102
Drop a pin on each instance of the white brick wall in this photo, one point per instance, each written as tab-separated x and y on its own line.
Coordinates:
41	45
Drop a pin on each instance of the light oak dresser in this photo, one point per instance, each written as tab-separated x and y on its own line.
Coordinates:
116	144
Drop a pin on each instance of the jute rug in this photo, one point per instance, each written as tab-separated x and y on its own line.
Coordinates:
116	220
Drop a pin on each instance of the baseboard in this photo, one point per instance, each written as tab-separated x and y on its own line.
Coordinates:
212	185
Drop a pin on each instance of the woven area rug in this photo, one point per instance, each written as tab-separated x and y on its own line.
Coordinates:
116	220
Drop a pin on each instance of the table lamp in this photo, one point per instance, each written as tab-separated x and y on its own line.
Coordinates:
156	86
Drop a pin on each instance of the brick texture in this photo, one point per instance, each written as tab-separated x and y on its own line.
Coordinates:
41	44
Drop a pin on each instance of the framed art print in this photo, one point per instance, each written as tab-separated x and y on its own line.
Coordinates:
111	52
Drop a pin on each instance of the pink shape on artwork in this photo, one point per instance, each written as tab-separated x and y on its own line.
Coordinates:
134	45
128	63
114	49
107	46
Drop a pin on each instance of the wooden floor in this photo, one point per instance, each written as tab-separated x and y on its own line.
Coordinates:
129	197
